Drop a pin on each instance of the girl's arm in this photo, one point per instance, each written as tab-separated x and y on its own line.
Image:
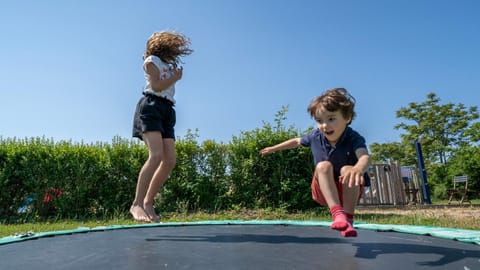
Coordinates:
153	76
289	144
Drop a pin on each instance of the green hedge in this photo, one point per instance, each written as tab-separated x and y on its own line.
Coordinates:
65	179
43	178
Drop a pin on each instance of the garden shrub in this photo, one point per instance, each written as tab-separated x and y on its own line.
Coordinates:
43	178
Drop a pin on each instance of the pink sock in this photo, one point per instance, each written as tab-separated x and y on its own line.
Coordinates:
349	231
350	218
339	218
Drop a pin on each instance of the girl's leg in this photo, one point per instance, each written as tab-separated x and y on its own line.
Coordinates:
153	140
324	174
167	163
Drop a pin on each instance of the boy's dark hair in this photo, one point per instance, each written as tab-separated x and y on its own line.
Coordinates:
333	100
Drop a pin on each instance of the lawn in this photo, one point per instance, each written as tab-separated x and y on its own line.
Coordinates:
454	216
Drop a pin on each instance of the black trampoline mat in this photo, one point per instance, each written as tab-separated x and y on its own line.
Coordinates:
238	247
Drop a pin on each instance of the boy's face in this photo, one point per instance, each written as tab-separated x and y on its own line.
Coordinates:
331	124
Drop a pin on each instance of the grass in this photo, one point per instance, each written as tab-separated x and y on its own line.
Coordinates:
124	219
438	217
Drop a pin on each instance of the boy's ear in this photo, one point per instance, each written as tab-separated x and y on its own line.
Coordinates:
349	120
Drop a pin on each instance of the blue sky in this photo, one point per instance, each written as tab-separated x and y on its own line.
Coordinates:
72	70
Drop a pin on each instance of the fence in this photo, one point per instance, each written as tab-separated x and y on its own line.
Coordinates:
392	184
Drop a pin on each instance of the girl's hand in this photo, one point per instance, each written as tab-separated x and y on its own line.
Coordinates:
177	73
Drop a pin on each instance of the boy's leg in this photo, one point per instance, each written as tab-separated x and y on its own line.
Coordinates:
167	164
153	141
329	192
350	198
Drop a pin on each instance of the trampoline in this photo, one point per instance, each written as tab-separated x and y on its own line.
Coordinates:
243	245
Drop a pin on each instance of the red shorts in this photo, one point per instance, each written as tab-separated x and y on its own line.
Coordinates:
318	196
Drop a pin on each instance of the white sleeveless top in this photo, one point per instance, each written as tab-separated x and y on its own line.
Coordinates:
165	73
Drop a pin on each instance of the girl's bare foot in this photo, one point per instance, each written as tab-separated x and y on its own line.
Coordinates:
139	213
150	211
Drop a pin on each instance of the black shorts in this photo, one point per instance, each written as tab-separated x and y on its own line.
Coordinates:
154	113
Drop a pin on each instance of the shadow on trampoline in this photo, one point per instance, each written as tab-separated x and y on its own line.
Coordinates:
254	238
448	255
253	246
364	250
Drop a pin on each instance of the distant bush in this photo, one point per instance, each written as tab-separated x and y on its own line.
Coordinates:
43	178
281	179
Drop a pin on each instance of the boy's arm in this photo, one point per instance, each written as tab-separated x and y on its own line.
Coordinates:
289	144
364	161
354	176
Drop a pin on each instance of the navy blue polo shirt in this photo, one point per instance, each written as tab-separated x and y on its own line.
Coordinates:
343	153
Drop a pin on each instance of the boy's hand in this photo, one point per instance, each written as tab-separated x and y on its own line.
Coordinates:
266	151
352	177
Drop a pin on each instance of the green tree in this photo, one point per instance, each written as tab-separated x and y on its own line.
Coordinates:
466	161
473	133
445	131
440	128
389	152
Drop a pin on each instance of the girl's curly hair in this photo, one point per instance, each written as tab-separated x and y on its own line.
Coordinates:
333	100
168	46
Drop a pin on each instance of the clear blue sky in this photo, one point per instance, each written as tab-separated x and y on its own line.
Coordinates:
72	70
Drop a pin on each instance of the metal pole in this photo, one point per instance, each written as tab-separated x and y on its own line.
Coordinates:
426	192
